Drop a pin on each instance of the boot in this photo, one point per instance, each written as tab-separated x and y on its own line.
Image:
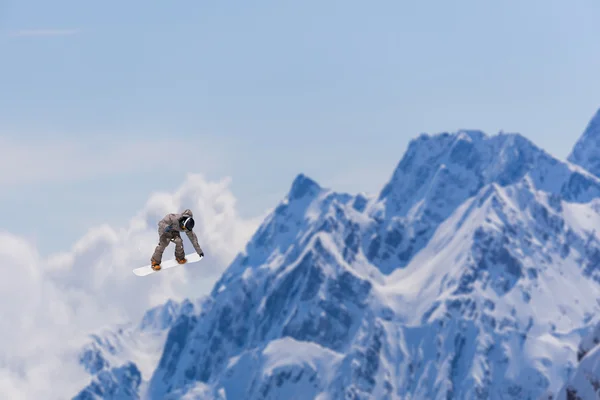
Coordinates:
181	261
155	266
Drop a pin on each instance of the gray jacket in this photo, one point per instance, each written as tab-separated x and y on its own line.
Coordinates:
170	223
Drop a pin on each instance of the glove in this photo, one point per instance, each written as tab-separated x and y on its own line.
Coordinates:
201	254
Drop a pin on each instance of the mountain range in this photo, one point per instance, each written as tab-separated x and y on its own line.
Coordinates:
473	274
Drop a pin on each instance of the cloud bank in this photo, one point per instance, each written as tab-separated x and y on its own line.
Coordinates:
49	306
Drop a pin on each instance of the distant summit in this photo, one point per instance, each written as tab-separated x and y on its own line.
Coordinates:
586	152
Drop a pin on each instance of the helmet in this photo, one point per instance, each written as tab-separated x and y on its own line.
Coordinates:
187	223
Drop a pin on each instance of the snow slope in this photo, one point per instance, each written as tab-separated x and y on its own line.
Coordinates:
584	383
473	274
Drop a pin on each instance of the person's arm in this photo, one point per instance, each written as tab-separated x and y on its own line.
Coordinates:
194	240
165	224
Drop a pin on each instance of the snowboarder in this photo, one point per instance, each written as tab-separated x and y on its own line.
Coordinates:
169	229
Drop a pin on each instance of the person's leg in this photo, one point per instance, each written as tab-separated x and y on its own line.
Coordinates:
179	252
160	248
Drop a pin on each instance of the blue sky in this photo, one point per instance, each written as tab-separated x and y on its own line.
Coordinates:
103	103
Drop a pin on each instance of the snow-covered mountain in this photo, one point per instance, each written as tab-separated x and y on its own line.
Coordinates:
473	274
439	173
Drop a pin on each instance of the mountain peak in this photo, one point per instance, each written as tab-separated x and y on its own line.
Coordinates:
470	134
303	185
468	159
586	152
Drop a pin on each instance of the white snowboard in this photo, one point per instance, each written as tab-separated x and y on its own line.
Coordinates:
147	270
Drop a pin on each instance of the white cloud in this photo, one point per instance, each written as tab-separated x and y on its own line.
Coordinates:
45	32
48	306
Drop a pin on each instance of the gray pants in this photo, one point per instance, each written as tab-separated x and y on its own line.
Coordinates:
164	241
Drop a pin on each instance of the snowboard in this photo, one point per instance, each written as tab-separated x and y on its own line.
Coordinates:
147	270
